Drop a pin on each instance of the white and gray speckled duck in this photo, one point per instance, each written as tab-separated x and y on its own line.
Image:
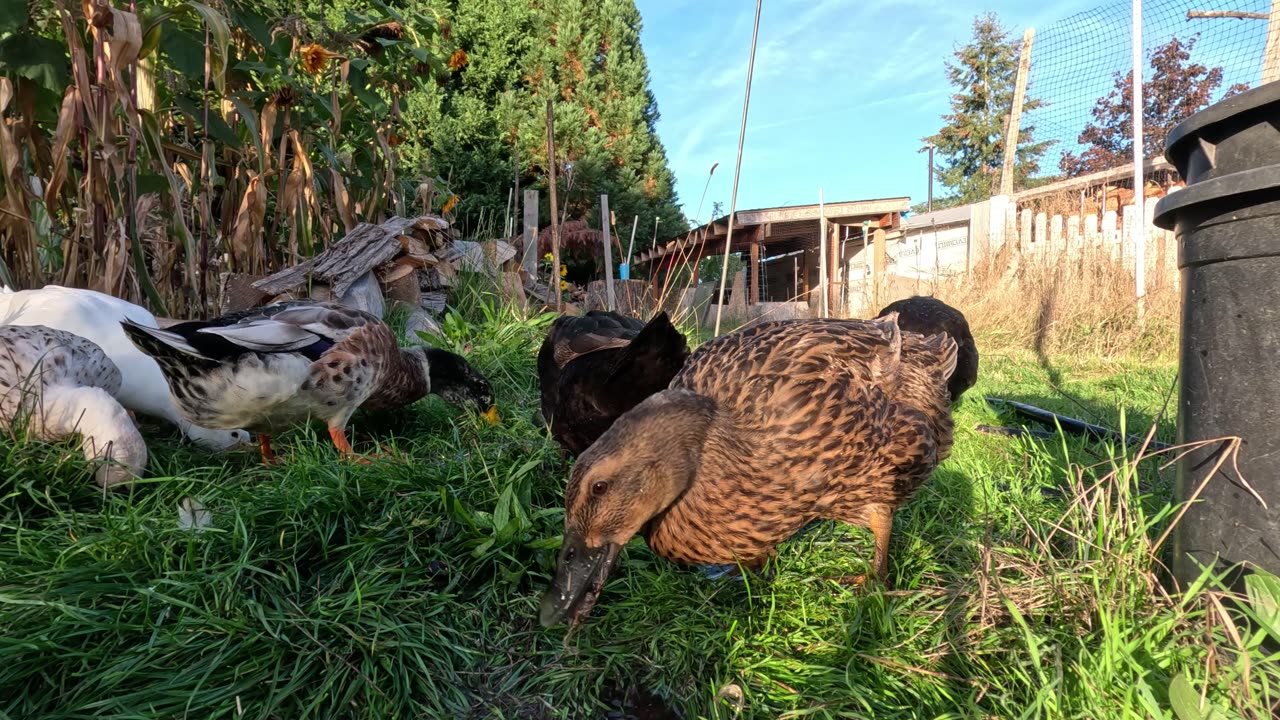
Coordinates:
56	385
270	368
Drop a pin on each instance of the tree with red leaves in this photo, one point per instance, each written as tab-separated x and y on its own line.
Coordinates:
1178	88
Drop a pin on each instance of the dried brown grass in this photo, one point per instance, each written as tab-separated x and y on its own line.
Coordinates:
1081	306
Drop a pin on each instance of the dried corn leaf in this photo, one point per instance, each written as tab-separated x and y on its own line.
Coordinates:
267	127
125	41
68	128
342	200
247	251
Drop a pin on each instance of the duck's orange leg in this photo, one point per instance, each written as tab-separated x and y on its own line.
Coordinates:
880	519
339	437
264	445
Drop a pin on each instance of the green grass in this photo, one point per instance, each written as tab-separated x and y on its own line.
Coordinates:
1023	584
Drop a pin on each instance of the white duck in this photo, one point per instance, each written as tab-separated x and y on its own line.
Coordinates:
56	385
96	317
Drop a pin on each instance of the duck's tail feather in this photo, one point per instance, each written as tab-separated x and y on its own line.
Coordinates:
167	348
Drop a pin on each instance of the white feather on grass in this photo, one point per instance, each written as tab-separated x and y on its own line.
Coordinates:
193	515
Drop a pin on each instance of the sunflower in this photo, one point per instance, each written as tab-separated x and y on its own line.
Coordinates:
563	271
314	58
458	59
548	257
448	204
564	285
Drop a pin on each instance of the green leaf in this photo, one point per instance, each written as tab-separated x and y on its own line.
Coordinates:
1183	699
1263	589
13	15
185	51
151	183
36	58
220	34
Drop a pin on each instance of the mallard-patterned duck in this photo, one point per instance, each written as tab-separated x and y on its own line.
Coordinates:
594	367
763	431
58	385
929	316
96	317
277	366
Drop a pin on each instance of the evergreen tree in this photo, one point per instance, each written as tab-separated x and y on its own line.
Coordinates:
1178	88
488	121
971	144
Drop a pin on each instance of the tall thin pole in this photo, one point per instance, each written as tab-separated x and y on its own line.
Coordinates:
737	168
930	177
1015	115
551	181
1138	233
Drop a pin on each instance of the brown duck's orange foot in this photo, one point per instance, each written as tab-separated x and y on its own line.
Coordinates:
264	445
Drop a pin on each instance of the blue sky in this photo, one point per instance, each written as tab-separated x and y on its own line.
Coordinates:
844	90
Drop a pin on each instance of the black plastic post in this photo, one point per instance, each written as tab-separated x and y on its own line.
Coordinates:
1227	221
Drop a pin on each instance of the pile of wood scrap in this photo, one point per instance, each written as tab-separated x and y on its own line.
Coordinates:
410	261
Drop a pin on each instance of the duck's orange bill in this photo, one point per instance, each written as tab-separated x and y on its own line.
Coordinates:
491	415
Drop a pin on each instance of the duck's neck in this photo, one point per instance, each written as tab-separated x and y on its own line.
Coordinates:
107	433
404	381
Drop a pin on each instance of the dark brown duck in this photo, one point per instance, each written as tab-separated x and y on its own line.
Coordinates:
763	431
593	368
925	315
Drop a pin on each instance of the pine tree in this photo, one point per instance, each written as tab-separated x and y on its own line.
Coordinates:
971	144
490	118
1177	89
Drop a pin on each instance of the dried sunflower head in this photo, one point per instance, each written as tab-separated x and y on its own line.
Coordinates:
283	97
458	59
313	58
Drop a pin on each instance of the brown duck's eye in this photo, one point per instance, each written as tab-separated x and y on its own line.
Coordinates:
599	488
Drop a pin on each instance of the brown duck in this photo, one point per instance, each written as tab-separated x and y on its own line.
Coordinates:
763	431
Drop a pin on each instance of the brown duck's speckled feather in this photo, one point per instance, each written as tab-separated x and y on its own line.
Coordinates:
925	315
816	419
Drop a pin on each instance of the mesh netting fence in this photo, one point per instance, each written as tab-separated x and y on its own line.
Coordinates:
1087	57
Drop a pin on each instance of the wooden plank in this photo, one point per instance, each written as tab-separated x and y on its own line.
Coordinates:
1055	236
1102	177
1110	234
1015	115
1024	236
1041	238
842	210
530	260
1092	237
611	301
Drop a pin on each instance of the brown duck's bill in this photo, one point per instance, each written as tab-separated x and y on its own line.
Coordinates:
580	575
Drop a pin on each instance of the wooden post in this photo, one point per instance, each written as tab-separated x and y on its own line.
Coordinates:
530	260
610	301
1015	115
755	266
832	267
1271	55
877	237
804	274
795	275
824	308
555	225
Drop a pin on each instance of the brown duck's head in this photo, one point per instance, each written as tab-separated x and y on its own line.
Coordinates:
635	471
